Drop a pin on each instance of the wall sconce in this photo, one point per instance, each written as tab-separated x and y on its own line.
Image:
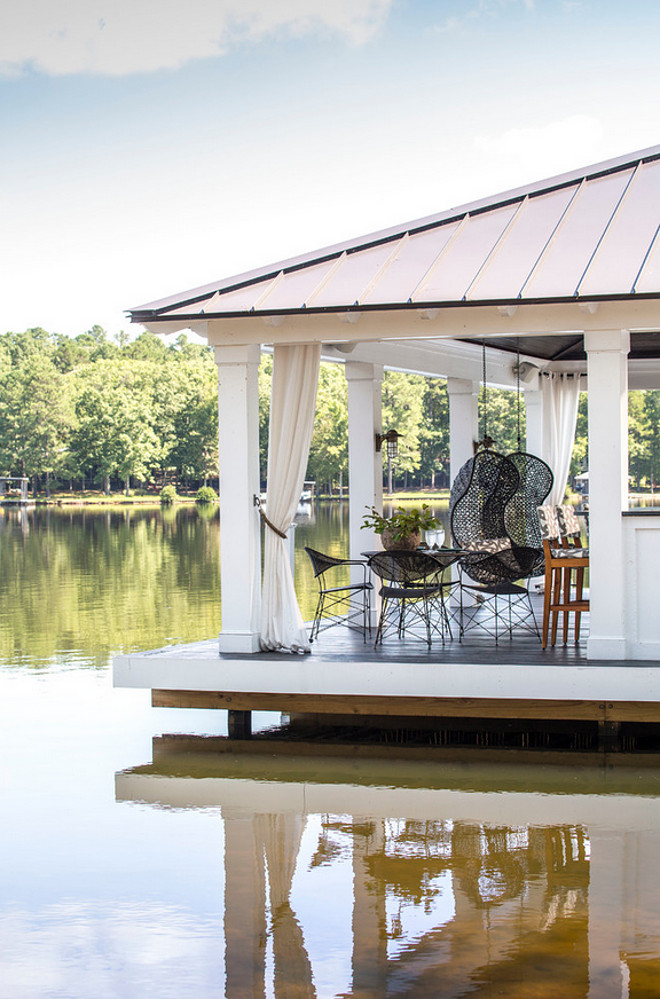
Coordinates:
391	438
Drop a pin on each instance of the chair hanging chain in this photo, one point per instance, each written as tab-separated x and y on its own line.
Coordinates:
518	388
485	389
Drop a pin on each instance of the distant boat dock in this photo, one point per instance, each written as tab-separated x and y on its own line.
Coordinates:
14	490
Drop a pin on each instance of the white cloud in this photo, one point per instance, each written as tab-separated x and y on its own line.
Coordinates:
559	145
483	8
116	37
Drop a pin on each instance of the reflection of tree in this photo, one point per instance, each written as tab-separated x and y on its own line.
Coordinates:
103	581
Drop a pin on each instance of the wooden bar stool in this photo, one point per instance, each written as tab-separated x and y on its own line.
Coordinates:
563	557
571	537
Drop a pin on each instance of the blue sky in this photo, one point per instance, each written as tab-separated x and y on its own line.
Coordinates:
149	146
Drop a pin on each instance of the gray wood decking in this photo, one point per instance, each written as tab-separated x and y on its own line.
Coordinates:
339	644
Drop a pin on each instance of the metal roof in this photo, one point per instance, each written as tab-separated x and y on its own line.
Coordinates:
588	236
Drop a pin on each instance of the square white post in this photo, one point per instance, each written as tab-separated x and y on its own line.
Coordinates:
607	368
463	422
240	536
365	464
535	441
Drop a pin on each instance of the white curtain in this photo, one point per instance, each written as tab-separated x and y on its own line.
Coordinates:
561	397
292	406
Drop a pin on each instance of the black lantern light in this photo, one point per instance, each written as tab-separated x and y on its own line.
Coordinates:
391	438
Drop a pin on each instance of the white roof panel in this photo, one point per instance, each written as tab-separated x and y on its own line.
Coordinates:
620	256
464	256
412	262
649	278
508	268
562	266
241	299
354	276
593	232
297	286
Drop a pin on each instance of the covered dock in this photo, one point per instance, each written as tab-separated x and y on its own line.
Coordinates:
559	280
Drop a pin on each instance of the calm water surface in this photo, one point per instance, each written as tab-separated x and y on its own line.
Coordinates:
138	862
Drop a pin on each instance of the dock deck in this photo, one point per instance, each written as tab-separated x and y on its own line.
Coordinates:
346	678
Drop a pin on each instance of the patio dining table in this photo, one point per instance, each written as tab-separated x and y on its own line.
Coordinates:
413	590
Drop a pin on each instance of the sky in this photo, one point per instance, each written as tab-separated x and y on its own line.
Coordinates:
152	146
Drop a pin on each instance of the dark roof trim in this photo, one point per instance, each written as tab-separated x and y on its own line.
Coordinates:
146	316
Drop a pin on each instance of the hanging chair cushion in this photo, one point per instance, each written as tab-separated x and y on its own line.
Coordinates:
489	545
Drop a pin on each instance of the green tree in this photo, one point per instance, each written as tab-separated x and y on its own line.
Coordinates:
501	411
652	406
434	434
265	382
328	453
194	448
114	432
36	416
402	410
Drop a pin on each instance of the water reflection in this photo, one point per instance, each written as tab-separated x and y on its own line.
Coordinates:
432	882
79	584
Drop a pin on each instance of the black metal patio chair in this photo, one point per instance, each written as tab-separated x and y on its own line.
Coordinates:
348	604
412	594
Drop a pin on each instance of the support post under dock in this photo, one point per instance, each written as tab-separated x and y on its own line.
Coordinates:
239	724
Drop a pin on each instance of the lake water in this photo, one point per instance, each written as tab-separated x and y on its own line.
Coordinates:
139	861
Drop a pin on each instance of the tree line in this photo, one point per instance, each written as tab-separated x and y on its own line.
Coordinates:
93	411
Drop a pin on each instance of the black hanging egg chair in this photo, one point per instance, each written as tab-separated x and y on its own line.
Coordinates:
493	518
492	515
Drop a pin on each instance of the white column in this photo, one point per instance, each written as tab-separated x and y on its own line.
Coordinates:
365	465
240	539
607	369
534	437
463	422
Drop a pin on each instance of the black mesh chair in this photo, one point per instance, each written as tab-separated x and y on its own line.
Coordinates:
492	516
412	594
348	604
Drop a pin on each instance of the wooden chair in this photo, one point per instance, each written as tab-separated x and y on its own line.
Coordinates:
563	557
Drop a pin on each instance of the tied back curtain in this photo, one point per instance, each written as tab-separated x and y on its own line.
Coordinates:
561	397
292	407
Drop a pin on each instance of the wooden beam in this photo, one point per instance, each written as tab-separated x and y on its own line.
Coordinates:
633	711
423	707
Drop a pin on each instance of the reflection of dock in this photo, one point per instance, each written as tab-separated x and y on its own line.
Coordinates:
450	888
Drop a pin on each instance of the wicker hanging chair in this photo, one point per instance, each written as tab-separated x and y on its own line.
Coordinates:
492	510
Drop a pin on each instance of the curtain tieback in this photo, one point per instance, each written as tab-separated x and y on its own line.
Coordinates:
267	522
